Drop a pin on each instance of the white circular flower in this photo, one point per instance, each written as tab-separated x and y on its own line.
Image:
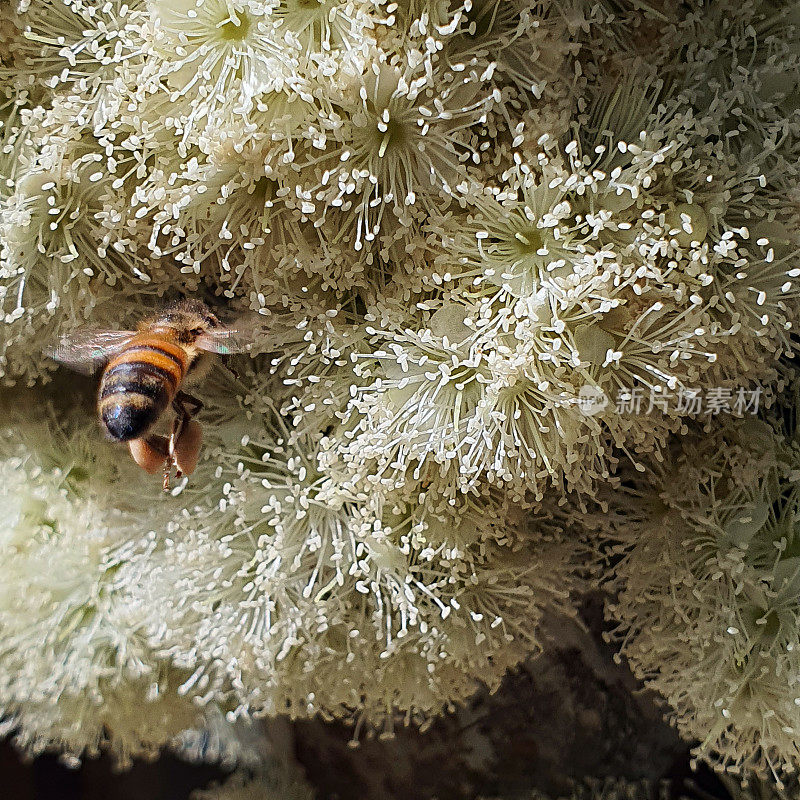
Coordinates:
218	57
402	135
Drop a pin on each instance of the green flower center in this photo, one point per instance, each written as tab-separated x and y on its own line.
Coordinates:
394	136
79	474
528	242
231	31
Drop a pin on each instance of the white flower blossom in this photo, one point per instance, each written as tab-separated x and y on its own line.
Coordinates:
74	42
707	611
218	57
443	224
75	670
399	140
302	596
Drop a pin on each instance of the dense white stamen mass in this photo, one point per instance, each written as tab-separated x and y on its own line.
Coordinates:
721	578
78	673
494	248
286	567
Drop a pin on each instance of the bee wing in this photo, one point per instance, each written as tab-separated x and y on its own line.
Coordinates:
228	340
88	349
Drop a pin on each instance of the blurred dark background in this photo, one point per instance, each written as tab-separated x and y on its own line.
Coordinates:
46	778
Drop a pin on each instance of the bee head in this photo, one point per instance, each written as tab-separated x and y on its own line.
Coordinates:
186	320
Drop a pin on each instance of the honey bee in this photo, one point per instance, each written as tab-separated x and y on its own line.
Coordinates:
143	374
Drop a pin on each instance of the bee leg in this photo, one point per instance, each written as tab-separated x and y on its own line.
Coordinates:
169	461
167	473
181	415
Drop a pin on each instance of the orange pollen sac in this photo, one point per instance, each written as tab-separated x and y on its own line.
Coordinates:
149	453
187	448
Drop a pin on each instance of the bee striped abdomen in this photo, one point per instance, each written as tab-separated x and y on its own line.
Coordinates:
138	385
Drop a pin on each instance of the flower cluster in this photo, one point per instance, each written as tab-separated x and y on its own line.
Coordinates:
294	592
707	610
77	671
445	222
